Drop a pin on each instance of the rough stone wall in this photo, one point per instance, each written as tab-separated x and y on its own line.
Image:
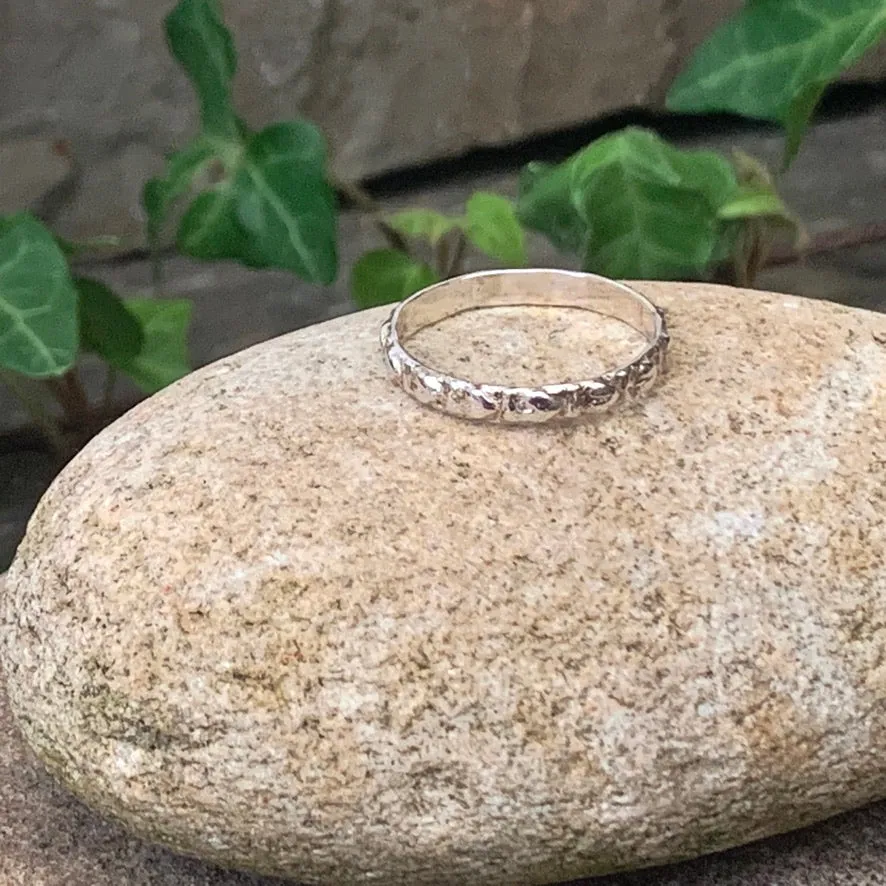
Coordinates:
90	99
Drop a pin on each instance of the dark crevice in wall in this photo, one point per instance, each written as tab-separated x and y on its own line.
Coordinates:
840	101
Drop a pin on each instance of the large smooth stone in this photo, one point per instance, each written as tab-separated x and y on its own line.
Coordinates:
48	838
284	618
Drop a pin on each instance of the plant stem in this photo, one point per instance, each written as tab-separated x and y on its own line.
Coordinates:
78	392
156	272
830	241
457	255
68	391
365	202
108	393
29	437
448	254
35	408
62	397
441	257
752	253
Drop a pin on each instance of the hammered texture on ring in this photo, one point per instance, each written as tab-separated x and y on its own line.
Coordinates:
546	402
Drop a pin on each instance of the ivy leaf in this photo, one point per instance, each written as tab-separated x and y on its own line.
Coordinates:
388	275
107	328
750	217
757	196
544	204
656	231
182	170
287	205
798	117
210	230
750	202
491	224
633	206
774	58
204	47
273	206
423	224
651	210
38	301
751	171
73	248
709	173
276	210
163	356
155	207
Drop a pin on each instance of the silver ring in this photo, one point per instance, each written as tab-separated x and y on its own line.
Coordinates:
503	403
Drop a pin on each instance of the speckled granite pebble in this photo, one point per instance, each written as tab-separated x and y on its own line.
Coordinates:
284	618
48	838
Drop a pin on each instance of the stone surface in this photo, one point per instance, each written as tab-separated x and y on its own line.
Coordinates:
283	618
40	168
392	82
48	838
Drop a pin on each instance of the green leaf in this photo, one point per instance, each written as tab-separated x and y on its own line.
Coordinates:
491	224
204	47
424	224
544	204
724	249
708	172
774	58
752	203
107	328
182	170
276	210
798	116
210	230
155	206
273	207
73	248
751	171
38	301
633	206
286	203
750	216
388	275
163	357
651	210
757	195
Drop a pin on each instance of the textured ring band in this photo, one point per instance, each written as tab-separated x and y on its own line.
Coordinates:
525	287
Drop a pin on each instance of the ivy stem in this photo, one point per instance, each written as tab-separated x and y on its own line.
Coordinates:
78	392
108	392
448	255
457	255
36	409
156	270
831	241
71	396
441	256
752	254
29	436
365	202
